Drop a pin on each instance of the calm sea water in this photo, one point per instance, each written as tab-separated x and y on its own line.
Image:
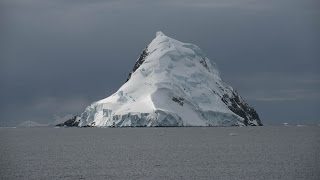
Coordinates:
161	153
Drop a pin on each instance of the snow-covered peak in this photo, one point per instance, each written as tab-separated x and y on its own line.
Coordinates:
160	33
167	51
172	84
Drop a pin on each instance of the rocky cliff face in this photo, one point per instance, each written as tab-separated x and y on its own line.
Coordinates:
237	105
140	60
171	84
73	122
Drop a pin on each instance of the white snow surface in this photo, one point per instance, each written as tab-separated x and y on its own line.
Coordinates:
176	85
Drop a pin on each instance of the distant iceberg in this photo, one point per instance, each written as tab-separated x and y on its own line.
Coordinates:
31	124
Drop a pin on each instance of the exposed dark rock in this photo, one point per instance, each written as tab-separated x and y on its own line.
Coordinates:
86	126
178	100
73	122
204	63
241	108
138	63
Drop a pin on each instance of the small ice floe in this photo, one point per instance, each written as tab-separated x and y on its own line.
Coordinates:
301	125
233	134
286	124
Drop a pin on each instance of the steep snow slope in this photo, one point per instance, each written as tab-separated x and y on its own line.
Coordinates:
172	84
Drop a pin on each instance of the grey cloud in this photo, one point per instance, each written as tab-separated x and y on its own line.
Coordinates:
276	86
275	99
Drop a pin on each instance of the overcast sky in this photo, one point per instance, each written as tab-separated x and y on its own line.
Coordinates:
58	56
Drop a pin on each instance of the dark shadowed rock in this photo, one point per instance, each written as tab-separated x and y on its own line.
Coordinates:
237	105
73	122
140	60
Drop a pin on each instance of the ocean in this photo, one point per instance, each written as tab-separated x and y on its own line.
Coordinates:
268	152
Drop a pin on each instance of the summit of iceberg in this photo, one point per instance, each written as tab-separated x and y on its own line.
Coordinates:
171	84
